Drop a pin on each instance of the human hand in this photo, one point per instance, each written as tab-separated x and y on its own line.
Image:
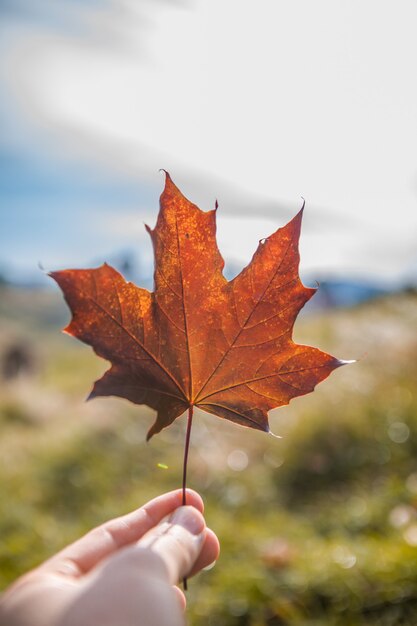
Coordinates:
121	573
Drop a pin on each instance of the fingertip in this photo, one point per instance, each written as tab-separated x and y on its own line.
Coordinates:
213	545
191	519
192	498
177	542
181	598
209	553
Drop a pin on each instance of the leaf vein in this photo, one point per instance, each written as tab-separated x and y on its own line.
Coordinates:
133	337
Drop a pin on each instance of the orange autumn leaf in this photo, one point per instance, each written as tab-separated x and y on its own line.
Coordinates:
199	340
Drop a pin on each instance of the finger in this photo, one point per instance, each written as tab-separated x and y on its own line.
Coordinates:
81	556
182	600
209	553
177	542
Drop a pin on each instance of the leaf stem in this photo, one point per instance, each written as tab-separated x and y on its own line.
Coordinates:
184	468
186	449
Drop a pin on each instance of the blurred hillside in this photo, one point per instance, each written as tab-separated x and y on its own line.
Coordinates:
317	528
334	291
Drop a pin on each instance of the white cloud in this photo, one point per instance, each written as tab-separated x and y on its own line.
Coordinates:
262	101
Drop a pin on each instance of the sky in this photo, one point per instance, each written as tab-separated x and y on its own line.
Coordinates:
257	104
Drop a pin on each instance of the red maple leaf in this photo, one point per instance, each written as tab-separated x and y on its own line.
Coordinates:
199	340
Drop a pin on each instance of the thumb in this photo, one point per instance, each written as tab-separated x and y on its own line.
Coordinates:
177	542
137	581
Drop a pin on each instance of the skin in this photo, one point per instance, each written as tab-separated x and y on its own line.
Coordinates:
121	573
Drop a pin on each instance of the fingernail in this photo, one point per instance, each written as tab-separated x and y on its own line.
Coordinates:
189	518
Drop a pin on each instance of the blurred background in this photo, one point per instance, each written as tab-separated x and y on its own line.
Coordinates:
255	105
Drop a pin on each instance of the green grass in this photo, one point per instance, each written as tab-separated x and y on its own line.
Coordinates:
319	528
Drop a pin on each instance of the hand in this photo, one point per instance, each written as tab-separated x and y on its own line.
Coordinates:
121	573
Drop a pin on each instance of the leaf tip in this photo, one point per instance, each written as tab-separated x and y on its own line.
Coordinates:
299	216
53	275
269	432
341	362
68	330
168	179
170	187
154	429
91	395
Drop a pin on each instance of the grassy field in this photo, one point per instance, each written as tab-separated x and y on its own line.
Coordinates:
317	528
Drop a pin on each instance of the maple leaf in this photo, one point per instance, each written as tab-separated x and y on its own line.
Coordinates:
199	340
